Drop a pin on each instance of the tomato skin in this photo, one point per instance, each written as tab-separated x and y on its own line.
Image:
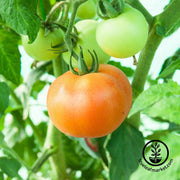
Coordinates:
87	10
92	105
41	49
87	40
124	35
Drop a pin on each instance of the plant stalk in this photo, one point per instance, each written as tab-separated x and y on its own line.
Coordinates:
168	20
15	156
54	136
67	39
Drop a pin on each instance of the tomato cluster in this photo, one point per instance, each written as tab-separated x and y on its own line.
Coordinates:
86	30
94	104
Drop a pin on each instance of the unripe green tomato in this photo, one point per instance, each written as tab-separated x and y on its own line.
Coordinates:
87	10
124	35
87	40
41	49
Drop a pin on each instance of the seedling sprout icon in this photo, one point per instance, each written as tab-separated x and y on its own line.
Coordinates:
155	153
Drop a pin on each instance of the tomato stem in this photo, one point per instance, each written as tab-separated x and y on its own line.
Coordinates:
40	161
54	136
58	5
168	19
76	4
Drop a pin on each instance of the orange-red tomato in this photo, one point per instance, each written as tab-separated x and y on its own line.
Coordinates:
92	105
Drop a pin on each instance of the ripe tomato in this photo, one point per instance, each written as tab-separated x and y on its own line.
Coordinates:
87	40
124	35
41	49
92	105
87	10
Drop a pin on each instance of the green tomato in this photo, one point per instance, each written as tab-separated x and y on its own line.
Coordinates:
124	35
87	10
41	49
87	40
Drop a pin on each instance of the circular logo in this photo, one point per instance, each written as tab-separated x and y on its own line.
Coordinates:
155	152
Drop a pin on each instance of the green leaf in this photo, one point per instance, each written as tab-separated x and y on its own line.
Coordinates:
1	176
170	69
2	142
167	108
9	166
9	56
125	148
4	97
24	90
84	145
154	94
127	71
76	157
172	172
170	65
27	149
15	130
37	87
21	16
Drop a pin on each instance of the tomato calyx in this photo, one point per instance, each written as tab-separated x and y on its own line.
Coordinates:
110	9
82	66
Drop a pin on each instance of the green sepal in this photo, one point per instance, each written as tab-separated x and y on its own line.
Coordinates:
82	67
110	9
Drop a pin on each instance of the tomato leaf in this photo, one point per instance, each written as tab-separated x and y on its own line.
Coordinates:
2	142
1	176
153	95
76	157
27	149
37	87
9	56
127	71
170	69
4	97
10	166
125	147
21	16
15	130
87	148
168	108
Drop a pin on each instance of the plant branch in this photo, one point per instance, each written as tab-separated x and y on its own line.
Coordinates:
36	132
145	61
40	161
57	160
54	136
170	16
168	19
15	156
58	5
76	4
